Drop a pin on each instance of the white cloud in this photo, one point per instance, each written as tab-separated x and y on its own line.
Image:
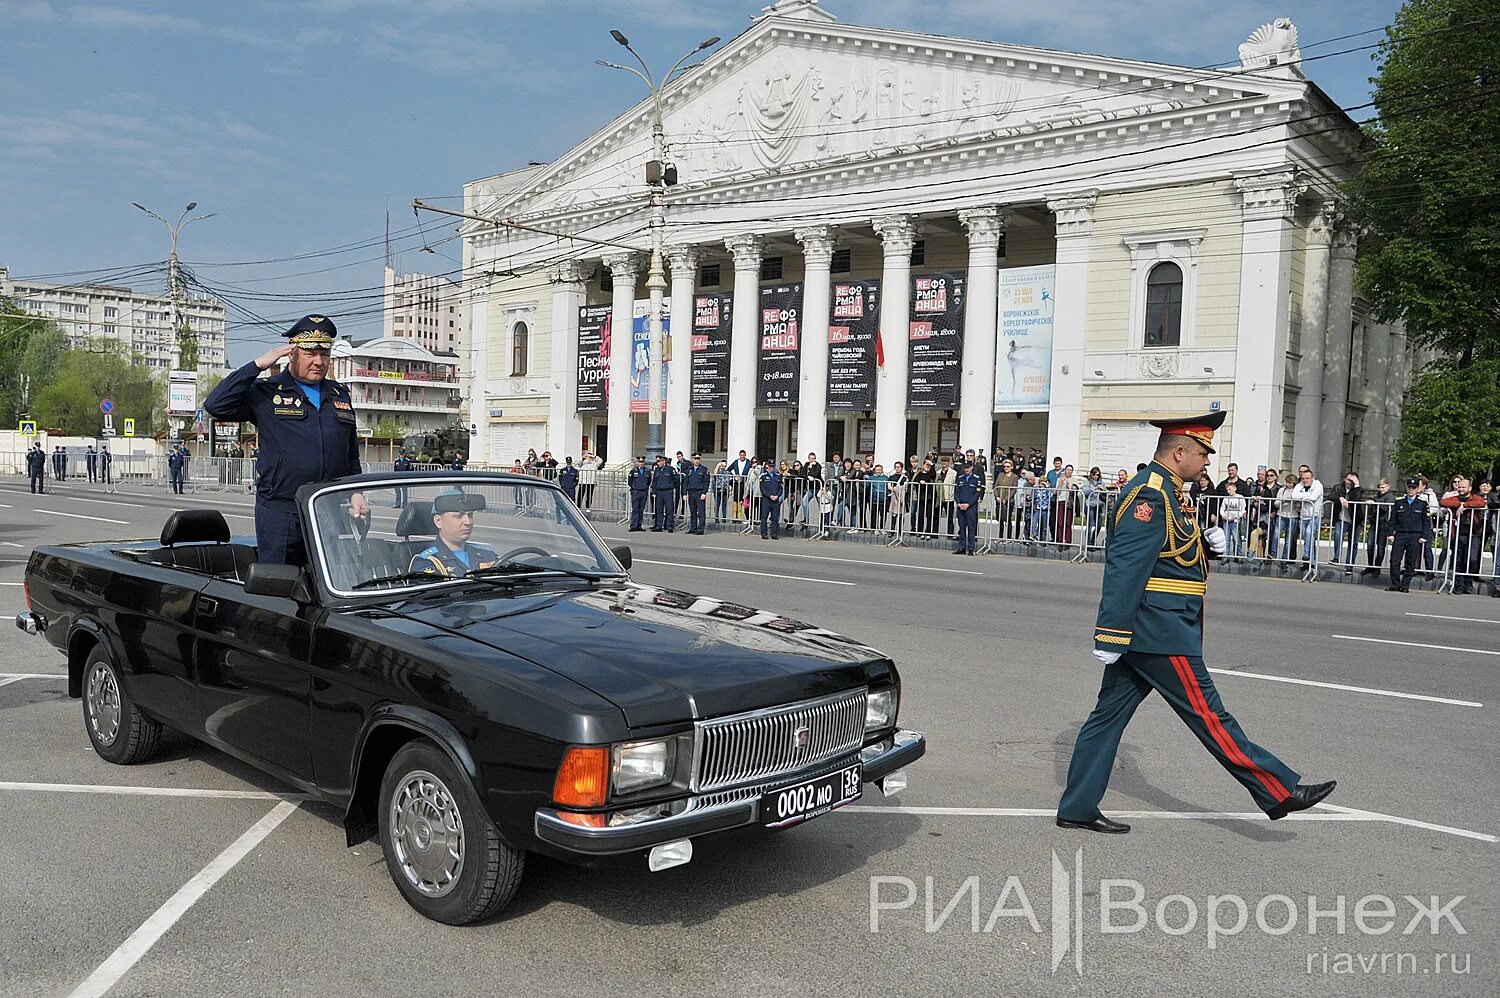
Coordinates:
34	11
176	144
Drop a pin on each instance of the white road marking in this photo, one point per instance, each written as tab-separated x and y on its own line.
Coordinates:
1350	689
7	680
12	583
12	544
105	502
80	516
844	561
1439	616
151	930
1416	644
11	677
740	571
119	791
1332	813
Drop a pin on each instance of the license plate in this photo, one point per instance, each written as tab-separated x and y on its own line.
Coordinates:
809	799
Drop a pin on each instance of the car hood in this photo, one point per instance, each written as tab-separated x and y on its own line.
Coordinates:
661	656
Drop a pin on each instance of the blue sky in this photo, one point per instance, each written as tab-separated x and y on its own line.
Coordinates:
300	123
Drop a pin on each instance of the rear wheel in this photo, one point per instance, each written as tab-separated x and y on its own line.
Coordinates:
441	848
119	732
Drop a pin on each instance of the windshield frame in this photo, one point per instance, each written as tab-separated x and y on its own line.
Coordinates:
322	573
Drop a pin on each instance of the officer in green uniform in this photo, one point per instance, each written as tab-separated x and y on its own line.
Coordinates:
454	555
1149	635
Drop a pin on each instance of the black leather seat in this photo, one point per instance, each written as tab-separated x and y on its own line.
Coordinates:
198	540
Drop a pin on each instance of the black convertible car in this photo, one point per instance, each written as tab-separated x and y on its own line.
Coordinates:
467	670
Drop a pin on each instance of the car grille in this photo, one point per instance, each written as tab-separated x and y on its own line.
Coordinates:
764	744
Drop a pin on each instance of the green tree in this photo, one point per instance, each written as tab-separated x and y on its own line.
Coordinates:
1447	427
389	428
187	349
1428	192
45	346
30	347
83	377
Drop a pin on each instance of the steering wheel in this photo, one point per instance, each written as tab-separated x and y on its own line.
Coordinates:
528	549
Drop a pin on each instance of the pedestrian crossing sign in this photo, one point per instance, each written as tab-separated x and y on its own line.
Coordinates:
28	427
129	427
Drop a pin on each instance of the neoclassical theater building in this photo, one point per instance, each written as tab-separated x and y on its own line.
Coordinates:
882	241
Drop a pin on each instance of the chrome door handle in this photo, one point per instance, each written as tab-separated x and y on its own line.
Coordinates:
208	606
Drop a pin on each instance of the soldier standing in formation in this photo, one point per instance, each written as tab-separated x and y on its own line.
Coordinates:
567	479
91	461
1410	535
663	488
770	501
1149	635
968	493
695	485
36	469
639	481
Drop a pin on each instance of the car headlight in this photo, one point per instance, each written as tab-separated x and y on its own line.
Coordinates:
639	765
880	709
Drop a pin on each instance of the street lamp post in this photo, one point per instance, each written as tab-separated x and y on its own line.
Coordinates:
658	180
174	278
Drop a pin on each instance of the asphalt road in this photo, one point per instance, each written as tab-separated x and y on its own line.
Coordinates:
995	655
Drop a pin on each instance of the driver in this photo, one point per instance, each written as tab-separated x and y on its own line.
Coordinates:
453	556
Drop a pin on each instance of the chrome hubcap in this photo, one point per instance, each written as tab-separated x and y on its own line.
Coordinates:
427	834
103	699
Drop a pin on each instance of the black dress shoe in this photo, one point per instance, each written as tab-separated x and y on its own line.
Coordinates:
1406	589
1099	824
1393	589
1304	797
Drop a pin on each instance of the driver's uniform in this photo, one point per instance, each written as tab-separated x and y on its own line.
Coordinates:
440	559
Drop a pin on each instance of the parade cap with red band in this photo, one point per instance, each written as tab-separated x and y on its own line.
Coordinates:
1200	428
312	332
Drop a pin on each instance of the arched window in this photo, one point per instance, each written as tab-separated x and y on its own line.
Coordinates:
519	335
1164	306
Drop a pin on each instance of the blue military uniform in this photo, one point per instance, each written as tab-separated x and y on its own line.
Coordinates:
1411	528
770	502
639	481
567	480
1151	613
968	491
176	457
402	464
91	460
301	440
695	483
440	559
36	469
664	508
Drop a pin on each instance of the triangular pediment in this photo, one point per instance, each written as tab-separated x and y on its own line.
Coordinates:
796	93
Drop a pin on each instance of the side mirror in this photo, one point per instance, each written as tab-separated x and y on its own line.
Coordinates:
285	581
621	553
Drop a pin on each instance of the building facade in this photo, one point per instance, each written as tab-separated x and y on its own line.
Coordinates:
427	309
140	323
392	377
884	242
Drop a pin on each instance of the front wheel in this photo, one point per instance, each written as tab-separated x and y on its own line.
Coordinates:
441	848
119	732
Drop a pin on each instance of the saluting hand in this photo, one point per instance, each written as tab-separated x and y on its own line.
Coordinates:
268	359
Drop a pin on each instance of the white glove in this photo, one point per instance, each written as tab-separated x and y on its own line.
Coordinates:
1107	657
1216	541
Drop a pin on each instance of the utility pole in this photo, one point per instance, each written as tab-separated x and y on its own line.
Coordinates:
659	177
174	275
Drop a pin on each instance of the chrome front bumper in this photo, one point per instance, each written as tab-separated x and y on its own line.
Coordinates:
715	812
31	623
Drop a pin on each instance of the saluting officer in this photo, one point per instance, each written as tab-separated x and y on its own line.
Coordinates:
663	483
306	427
770	501
1410	534
695	483
639	481
968	493
1149	636
36	468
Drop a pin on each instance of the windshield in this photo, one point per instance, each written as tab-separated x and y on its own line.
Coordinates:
380	537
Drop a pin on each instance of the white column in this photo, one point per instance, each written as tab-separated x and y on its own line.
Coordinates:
976	413
812	394
564	428
897	234
479	366
623	269
1401	363
744	342
1336	359
1074	215
1370	461
683	262
1269	200
1314	330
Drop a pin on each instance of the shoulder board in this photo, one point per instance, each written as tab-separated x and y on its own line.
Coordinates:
428	552
1154	482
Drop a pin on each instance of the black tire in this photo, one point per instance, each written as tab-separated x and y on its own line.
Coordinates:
486	873
119	732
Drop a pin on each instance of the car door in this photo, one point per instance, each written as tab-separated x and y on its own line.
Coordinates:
254	686
152	609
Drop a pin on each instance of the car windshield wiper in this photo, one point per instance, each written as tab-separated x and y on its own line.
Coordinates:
402	577
506	569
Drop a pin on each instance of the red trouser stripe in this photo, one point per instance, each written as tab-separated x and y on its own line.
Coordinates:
1216	728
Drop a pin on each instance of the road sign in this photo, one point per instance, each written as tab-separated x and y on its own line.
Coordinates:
129	427
106	406
28	427
109	431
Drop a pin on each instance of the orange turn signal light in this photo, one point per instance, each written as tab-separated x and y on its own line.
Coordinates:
583	777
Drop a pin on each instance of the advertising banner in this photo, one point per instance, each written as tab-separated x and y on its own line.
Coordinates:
780	365
640	355
936	351
593	358
712	322
1023	356
854	319
182	393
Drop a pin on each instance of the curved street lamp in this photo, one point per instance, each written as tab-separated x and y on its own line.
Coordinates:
174	284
